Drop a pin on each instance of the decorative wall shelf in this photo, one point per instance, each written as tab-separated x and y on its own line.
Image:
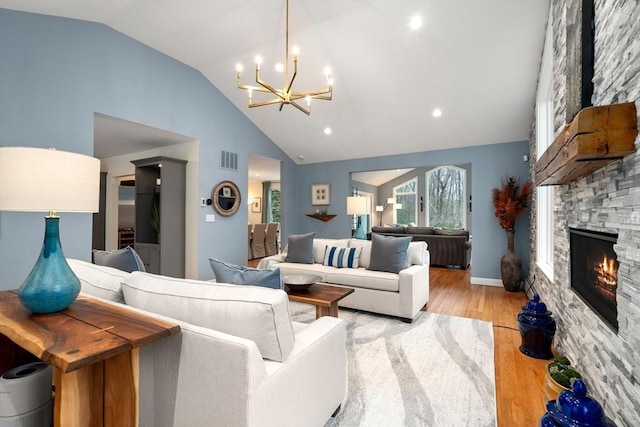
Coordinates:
321	217
595	137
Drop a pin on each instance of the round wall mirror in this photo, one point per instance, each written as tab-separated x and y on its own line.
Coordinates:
226	198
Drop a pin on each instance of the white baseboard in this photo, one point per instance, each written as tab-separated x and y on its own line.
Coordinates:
486	282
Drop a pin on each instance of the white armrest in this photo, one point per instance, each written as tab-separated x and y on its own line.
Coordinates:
413	286
316	367
271	262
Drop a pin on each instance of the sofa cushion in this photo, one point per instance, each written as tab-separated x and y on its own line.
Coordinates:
125	259
320	247
351	277
238	275
99	281
420	230
300	248
388	253
365	255
342	257
258	314
362	278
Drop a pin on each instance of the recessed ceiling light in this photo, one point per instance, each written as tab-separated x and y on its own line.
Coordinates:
415	22
437	112
327	131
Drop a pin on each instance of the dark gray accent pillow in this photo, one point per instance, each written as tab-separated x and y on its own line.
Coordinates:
300	248
388	253
239	275
125	259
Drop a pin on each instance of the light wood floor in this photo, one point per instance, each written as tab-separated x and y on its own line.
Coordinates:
519	378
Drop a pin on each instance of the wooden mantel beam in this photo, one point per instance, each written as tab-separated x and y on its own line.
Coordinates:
595	137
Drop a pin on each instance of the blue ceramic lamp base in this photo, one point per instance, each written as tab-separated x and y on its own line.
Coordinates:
360	234
51	286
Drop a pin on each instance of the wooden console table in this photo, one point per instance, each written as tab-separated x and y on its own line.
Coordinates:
93	347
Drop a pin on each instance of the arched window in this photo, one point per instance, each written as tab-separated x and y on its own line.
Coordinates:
446	195
405	208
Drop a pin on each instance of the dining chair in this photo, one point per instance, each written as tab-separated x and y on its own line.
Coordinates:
258	240
272	238
249	237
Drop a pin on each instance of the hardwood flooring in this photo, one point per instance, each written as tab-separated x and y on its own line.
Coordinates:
519	378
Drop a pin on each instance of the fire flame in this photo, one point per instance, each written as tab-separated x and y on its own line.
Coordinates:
607	272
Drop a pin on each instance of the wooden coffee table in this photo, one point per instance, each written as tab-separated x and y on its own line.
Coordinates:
325	297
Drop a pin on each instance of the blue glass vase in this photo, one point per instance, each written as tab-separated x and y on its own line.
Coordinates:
51	286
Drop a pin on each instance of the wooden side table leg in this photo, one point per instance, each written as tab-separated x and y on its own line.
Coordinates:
121	390
79	397
333	309
322	311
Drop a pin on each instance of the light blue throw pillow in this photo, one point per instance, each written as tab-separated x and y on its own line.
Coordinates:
388	253
239	275
300	248
125	259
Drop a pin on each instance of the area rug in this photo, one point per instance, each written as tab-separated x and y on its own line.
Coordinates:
437	371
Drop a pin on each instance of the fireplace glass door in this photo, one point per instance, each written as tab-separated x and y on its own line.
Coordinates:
594	272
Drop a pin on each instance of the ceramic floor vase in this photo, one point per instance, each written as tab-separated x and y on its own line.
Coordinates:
510	265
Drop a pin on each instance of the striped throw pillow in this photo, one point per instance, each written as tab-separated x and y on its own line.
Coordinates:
342	257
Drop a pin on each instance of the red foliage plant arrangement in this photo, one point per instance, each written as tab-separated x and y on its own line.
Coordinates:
510	202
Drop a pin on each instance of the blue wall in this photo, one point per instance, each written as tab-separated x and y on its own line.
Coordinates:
55	73
490	164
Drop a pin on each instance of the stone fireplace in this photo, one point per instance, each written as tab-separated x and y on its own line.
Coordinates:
594	272
605	200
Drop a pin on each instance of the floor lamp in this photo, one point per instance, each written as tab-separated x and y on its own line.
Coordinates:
380	208
48	180
358	206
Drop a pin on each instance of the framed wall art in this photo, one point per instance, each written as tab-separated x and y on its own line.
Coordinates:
256	206
320	194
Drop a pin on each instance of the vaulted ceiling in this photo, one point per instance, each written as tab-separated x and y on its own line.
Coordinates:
475	60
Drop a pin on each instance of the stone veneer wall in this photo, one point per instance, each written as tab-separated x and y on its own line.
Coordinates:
606	200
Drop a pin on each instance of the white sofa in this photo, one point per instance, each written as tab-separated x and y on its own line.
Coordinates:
402	295
217	371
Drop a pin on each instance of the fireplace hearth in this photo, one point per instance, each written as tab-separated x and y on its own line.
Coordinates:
594	272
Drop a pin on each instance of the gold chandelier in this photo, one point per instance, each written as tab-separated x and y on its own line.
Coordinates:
286	95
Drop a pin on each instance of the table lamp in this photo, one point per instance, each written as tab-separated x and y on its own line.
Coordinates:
358	206
48	180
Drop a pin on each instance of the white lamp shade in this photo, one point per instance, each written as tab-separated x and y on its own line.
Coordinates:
397	206
379	208
391	200
43	180
357	205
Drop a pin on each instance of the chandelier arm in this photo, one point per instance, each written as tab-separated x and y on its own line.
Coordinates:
314	94
268	102
299	107
269	88
253	88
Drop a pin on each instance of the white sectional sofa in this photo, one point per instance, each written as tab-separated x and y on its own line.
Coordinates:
400	294
239	360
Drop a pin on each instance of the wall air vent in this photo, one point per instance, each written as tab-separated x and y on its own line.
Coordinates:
228	160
